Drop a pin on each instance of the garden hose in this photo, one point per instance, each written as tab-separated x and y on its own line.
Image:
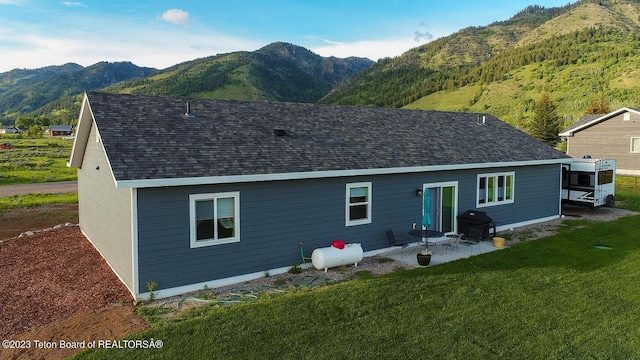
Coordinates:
304	259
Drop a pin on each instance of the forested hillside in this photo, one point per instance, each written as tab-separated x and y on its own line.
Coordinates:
23	91
277	72
575	53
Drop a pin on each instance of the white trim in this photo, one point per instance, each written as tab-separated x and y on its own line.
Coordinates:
597	120
85	119
179	290
631	145
560	190
134	240
193	198
627	172
347	204
211	180
507	227
440	185
496	202
132	292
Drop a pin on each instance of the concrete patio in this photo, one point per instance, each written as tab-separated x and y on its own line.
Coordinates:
442	252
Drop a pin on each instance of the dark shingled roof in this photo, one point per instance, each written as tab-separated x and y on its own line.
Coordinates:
592	117
585	120
149	137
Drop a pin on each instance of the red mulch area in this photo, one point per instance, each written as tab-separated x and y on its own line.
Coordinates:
57	275
50	276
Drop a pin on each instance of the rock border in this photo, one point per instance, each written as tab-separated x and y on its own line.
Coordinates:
33	232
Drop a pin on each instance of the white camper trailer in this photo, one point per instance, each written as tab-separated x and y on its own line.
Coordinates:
589	182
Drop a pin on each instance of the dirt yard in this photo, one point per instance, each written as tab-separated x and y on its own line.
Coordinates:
56	286
16	221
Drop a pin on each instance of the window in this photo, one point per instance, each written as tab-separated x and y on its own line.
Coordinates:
358	204
635	145
215	218
495	189
605	177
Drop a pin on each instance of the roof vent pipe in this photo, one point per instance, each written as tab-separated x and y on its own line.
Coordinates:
279	132
188	114
484	119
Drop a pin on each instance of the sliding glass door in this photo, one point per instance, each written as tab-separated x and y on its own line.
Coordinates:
440	206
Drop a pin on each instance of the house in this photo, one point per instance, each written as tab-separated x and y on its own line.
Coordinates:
8	130
615	135
59	130
187	193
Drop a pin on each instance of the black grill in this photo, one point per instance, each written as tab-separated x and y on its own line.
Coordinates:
475	219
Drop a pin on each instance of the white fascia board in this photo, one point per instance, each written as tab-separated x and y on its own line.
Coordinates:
597	120
85	119
80	142
106	156
212	180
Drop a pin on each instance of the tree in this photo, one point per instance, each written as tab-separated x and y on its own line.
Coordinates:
598	106
34	132
545	124
25	122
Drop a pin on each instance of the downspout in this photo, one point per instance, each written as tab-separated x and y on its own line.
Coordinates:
134	243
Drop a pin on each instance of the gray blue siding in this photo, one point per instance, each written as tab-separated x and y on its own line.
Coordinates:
275	216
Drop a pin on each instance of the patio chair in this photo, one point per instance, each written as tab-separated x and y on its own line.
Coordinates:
474	237
476	234
423	242
452	243
393	242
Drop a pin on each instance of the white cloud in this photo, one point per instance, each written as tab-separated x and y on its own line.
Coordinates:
11	2
153	48
175	16
73	4
372	49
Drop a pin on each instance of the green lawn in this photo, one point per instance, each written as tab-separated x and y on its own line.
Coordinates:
35	200
35	161
558	297
628	192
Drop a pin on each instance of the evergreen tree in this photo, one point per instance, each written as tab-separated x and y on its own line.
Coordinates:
545	124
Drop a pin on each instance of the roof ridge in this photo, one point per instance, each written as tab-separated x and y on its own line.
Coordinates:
236	138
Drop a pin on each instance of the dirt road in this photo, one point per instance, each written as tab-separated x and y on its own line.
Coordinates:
42	188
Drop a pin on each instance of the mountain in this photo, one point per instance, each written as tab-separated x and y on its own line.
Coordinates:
575	53
23	91
277	72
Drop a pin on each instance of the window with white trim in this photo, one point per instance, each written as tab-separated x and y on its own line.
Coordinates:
495	189
635	145
358	204
214	218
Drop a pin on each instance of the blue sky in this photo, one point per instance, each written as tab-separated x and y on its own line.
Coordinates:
161	33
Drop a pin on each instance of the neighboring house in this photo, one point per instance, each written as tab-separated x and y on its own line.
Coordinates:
615	135
228	190
59	130
8	130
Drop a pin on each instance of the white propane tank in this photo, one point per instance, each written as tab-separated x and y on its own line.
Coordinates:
324	258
